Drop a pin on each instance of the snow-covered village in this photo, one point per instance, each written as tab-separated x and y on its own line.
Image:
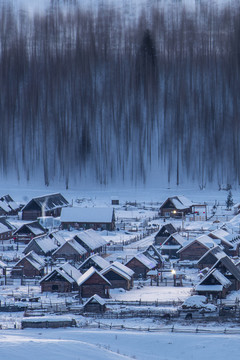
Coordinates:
120	264
119	179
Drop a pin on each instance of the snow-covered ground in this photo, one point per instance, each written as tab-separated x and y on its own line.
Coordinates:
76	344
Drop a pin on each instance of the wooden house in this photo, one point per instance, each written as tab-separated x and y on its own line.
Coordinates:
176	207
194	250
25	233
48	205
70	250
119	275
93	282
91	241
214	285
210	257
30	266
61	279
153	253
95	305
88	218
172	244
95	260
41	245
6	229
162	235
141	264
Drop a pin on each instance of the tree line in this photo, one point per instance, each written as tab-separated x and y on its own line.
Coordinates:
92	95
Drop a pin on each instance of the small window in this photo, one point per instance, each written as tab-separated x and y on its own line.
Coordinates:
54	287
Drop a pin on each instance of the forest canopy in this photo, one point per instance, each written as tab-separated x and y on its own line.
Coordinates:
93	95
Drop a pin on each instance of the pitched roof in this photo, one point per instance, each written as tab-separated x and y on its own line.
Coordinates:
91	239
205	240
97	259
149	263
74	244
87	215
34	227
179	202
96	298
120	269
35	260
47	202
45	244
89	273
217	252
218	276
229	265
67	271
10	202
180	240
168	228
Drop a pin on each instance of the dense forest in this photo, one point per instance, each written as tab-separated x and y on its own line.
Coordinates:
100	96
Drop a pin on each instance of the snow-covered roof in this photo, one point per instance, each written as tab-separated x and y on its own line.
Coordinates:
57	238
71	271
203	239
33	226
180	240
210	288
89	273
75	245
221	278
46	244
181	202
87	215
5	207
216	251
67	271
91	239
120	269
98	260
48	202
97	298
149	263
218	276
35	260
223	235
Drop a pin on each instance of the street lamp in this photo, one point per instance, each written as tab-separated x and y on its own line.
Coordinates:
174	277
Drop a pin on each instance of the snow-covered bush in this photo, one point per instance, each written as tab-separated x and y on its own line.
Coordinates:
198	302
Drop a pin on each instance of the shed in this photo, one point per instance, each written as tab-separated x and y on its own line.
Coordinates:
95	305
